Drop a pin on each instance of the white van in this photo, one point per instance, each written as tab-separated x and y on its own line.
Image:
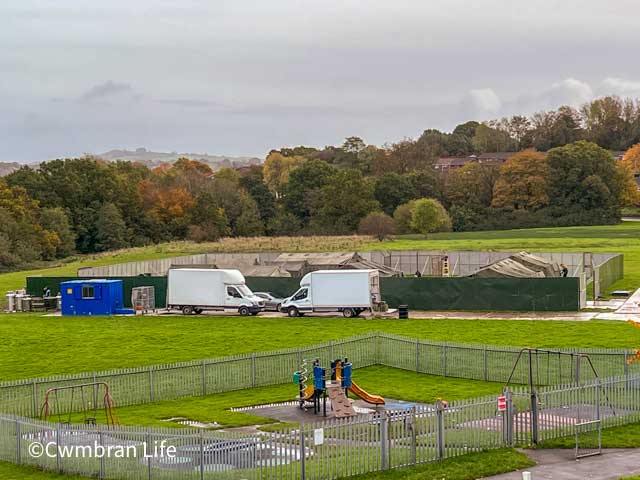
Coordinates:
193	290
348	291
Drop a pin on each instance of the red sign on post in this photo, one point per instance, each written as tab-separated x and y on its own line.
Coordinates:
502	404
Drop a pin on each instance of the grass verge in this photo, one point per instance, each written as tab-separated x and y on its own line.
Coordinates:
466	467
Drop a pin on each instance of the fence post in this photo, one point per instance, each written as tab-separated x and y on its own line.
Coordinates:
204	377
444	360
102	464
253	369
151	384
58	463
486	367
18	443
412	431
384	441
95	389
577	369
440	450
35	399
534	416
149	447
303	457
508	421
331	351
417	355
201	455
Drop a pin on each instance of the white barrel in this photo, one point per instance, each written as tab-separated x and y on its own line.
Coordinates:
11	299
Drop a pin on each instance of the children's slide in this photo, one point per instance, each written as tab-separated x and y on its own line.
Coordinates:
366	396
307	393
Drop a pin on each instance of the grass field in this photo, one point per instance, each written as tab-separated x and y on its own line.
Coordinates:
467	467
37	346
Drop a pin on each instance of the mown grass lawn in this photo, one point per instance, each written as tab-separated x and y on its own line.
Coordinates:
626	436
467	467
35	346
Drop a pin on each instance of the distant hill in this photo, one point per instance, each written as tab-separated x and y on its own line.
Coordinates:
6	168
154	159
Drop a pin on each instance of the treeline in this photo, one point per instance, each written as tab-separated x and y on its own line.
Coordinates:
88	205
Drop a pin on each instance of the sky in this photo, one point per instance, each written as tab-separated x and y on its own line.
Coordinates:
240	77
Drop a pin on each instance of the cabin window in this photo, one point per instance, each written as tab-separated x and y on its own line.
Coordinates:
301	295
88	291
232	292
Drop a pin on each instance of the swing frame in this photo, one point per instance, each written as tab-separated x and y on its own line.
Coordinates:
107	400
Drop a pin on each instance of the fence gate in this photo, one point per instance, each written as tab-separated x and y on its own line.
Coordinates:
588	438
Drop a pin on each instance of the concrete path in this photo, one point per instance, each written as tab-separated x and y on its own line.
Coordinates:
560	465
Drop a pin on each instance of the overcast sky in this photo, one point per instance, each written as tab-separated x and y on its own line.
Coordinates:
241	77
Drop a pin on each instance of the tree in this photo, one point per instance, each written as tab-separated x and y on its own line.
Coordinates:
471	185
523	182
276	170
56	220
631	158
393	189
346	199
111	231
249	224
583	175
629	168
402	217
253	182
302	192
209	221
489	139
378	224
429	216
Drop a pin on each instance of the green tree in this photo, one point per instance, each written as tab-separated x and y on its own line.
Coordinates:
209	221
402	217
378	224
253	182
393	189
302	195
110	229
429	216
346	199
56	220
583	175
489	139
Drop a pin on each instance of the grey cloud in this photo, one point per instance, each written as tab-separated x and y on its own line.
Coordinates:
104	90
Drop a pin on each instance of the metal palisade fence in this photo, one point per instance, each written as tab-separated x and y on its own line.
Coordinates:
324	450
133	386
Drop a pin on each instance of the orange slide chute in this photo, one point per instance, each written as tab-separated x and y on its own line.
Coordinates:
366	396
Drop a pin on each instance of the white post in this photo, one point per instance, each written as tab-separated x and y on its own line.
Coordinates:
526	476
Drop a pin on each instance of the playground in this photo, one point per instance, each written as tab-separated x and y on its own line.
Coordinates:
348	406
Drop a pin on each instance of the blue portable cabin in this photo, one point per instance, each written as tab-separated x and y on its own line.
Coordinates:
92	297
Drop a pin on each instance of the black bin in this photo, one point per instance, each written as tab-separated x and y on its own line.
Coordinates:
403	311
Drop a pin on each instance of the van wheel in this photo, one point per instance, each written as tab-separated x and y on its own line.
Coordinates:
293	312
197	311
349	313
187	310
279	307
244	311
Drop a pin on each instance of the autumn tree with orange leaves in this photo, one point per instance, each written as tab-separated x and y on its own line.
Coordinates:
522	183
